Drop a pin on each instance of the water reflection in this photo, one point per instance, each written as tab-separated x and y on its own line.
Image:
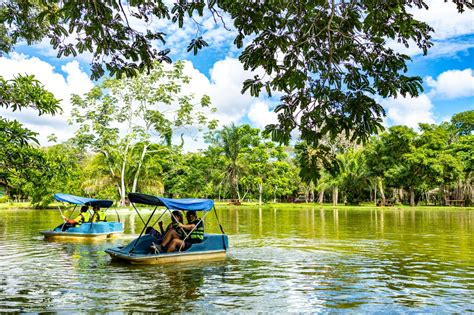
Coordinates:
298	260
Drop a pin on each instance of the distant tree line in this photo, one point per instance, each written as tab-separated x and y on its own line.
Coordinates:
431	166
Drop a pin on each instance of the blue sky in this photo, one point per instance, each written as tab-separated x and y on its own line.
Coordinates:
447	72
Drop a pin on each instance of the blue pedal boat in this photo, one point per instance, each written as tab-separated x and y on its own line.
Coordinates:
88	230
213	246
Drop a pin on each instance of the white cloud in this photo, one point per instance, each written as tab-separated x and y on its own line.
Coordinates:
445	19
452	84
76	81
261	115
449	48
409	111
448	24
224	87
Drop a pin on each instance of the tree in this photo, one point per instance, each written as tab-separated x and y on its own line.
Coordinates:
463	123
316	161
463	151
143	107
329	58
19	93
260	160
283	178
378	160
55	169
233	140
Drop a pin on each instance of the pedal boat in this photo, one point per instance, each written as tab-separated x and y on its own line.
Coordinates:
86	231
213	246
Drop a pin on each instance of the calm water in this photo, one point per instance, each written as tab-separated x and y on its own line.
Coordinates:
308	260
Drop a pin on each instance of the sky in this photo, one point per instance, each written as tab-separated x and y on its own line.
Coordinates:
447	72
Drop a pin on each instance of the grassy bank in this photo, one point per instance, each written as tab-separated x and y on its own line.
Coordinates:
254	205
295	206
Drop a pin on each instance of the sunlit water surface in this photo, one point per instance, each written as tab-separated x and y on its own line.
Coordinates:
300	260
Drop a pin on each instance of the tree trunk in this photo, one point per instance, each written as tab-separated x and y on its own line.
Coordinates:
375	193
260	191
400	194
275	194
137	173
112	173
335	193
321	197
237	190
122	175
412	197
382	194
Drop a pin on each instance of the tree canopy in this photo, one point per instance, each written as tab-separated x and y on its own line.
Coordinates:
120	118
329	59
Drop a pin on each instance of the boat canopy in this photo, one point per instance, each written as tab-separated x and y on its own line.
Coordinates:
173	204
76	200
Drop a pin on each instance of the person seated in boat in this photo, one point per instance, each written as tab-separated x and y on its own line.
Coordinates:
195	227
176	218
83	217
99	215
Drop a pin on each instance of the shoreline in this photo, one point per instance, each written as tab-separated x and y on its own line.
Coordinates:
277	206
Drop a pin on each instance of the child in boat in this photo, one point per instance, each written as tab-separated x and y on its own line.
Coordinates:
195	227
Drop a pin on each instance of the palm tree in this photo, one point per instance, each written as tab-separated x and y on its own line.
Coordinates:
233	140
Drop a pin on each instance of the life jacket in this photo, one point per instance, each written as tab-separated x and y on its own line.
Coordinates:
198	232
101	216
178	230
85	217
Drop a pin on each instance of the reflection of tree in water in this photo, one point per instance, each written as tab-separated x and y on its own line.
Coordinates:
86	256
183	285
172	288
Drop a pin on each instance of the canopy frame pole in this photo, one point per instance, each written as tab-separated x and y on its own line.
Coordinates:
171	212
220	226
161	215
136	210
143	230
91	217
74	209
62	216
116	212
195	227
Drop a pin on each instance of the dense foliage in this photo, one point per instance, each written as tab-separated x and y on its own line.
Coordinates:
330	59
23	165
433	165
120	119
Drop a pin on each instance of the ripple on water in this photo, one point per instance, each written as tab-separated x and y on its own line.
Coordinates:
351	266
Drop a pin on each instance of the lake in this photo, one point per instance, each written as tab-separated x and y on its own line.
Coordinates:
280	260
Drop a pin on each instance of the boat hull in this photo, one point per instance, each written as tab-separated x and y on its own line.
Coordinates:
87	231
52	235
213	247
161	259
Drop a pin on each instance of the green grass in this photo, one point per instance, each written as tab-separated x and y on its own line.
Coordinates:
293	206
254	205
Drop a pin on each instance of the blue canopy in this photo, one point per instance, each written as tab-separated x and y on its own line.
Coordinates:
76	200
174	204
